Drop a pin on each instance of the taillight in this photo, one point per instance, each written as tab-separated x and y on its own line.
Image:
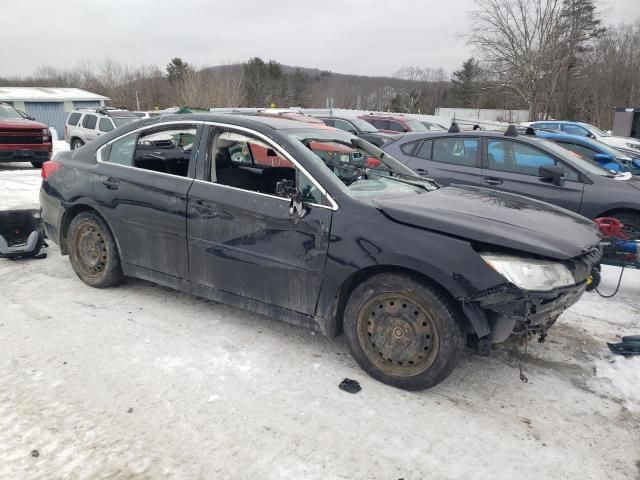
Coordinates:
372	162
48	168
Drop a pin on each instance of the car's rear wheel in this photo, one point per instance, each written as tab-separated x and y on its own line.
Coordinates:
403	332
631	224
93	252
76	143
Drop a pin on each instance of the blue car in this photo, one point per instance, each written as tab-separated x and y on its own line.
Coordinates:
604	155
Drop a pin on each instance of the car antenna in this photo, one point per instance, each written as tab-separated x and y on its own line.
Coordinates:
512	131
454	128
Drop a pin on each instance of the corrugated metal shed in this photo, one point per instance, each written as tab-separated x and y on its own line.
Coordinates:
50	105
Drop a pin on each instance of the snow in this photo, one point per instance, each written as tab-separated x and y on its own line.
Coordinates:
624	375
47	94
140	381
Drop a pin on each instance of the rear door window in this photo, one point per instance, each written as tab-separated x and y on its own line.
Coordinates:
73	118
456	151
424	151
166	149
396	127
346	126
89	121
380	124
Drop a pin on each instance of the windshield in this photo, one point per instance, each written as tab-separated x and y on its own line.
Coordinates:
415	125
365	170
576	159
7	112
596	130
363	125
119	121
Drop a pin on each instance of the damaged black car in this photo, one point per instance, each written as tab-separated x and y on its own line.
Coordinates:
319	228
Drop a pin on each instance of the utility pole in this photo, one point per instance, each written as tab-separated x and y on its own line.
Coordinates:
137	101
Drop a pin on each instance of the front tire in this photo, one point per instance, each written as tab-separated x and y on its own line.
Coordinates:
93	252
403	332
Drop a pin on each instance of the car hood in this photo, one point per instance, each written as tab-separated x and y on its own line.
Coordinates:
15	123
496	218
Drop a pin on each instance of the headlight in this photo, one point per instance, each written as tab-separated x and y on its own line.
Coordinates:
634	145
529	273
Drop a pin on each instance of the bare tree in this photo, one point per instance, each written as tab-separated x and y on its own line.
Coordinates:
521	40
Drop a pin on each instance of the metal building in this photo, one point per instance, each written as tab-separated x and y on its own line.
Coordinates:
50	105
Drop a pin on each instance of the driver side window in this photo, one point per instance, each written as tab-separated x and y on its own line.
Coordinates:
166	149
242	161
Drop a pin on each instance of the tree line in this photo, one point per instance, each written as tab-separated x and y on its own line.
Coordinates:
555	58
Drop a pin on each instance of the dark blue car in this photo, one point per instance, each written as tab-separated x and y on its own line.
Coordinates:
604	155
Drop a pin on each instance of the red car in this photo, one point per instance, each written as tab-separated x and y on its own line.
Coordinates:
22	139
394	123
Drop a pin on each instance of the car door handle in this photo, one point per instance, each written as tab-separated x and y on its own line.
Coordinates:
111	183
204	209
422	171
492	181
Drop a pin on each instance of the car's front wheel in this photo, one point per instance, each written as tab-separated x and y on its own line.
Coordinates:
93	252
76	143
403	332
631	223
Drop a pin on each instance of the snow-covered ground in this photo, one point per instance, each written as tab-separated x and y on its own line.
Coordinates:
141	382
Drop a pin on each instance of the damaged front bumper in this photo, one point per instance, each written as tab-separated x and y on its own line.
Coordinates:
513	311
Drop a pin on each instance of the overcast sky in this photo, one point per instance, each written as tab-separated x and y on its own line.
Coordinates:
370	37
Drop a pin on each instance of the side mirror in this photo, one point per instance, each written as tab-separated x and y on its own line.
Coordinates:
554	173
602	158
591	135
287	189
353	132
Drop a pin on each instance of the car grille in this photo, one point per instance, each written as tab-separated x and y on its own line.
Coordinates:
20	139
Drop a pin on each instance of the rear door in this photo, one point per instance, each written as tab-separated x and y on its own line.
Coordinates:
449	160
244	240
141	184
512	166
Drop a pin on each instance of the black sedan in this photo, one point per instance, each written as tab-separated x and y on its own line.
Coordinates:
360	128
526	165
251	212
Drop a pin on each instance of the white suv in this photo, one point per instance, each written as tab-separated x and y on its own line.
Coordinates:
86	124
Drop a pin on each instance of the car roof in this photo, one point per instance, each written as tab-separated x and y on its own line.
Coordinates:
565	136
414	136
382	116
240	120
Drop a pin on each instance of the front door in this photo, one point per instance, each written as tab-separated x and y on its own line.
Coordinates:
244	239
513	166
141	185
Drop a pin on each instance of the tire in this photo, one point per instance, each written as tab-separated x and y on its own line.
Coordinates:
37	163
631	224
403	332
76	143
93	252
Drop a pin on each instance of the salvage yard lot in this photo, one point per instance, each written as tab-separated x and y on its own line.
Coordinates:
140	382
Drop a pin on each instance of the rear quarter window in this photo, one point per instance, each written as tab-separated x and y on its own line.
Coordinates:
408	148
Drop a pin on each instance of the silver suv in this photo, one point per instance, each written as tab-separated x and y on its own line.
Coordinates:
86	124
